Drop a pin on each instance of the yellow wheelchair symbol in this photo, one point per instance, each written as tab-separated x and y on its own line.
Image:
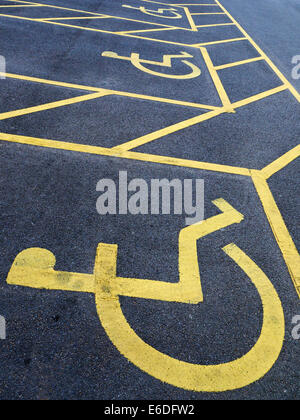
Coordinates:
167	62
157	13
35	268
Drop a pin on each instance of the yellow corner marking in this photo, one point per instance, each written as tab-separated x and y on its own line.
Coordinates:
102	151
278	226
51	105
167	130
218	84
239	63
261	52
281	162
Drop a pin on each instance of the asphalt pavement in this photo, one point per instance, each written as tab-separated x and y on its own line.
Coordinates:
160	90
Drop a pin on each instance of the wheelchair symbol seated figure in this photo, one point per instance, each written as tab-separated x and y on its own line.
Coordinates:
166	13
137	62
35	268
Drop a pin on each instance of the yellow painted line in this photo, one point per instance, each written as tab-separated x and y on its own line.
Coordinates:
89	13
262	53
51	82
85	28
281	162
145	30
278	226
159	2
111	17
192	4
167	101
162	40
188	289
22	2
166	131
259	96
60	8
51	105
218	84
215	24
51	21
146	22
25	5
199	14
194	377
108	91
17	17
102	151
190	19
35	267
222	41
74	18
239	63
